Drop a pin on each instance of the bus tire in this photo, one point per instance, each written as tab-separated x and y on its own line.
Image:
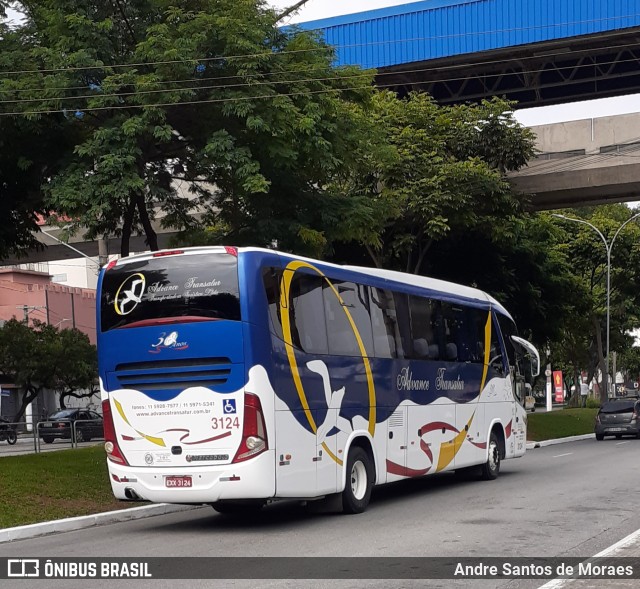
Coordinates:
240	507
491	467
359	483
12	438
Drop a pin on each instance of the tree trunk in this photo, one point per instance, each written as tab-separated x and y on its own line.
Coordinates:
127	226
152	236
422	253
72	393
375	259
29	395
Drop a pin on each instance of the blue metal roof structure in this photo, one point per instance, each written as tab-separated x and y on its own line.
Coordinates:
434	29
536	52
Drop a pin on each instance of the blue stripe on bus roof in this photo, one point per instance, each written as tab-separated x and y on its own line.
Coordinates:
376	277
379	278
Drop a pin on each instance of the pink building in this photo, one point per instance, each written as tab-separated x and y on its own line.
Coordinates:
25	293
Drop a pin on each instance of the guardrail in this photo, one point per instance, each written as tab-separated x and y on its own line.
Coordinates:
23	438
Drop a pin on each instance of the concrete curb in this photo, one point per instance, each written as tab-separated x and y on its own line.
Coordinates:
543	443
88	521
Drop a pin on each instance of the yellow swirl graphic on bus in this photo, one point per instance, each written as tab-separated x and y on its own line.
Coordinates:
288	275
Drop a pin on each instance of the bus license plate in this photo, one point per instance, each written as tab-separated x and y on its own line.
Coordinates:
615	429
178	482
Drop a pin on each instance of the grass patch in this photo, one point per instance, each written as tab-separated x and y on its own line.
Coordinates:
53	485
560	424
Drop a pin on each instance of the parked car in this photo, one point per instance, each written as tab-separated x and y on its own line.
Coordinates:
88	425
619	417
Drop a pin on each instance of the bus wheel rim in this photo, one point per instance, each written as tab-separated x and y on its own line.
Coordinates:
358	480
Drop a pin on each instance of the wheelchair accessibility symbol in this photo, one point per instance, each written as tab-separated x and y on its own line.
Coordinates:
229	406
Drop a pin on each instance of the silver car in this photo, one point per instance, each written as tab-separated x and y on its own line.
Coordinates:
619	417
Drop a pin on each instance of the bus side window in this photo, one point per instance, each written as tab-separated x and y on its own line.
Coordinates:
476	321
355	301
384	324
271	278
424	328
308	328
455	333
496	359
508	328
403	316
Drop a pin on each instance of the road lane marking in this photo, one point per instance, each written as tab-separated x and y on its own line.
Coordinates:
620	443
561	455
630	539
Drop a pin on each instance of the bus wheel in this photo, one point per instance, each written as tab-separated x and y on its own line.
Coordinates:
242	507
491	467
357	490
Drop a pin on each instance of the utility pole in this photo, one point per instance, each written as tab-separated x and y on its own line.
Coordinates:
26	309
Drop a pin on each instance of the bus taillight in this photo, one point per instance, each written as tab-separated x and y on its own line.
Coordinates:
110	440
254	432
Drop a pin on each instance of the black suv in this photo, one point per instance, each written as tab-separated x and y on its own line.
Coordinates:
619	417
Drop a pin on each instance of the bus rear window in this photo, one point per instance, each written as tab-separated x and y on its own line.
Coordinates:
197	287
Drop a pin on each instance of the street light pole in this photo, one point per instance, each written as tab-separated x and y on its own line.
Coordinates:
71	247
608	246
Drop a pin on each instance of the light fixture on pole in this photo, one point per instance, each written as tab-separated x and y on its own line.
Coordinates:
608	246
71	247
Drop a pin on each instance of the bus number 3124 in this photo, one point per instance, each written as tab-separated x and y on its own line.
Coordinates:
227	422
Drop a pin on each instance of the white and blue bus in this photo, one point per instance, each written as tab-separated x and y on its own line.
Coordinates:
236	376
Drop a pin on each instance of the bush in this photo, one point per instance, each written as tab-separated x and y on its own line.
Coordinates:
593	403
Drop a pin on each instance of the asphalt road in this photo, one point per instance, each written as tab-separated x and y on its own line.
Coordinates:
572	499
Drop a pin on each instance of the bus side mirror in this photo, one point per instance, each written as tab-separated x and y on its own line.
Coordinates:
530	353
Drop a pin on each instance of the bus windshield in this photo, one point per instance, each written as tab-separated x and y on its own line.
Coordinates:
171	289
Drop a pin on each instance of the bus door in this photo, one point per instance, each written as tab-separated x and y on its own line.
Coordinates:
397	445
528	367
515	357
299	381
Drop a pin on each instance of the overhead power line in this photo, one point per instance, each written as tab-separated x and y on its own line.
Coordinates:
340	68
202	60
254	84
189	102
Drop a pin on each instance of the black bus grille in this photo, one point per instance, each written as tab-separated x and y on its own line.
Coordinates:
173	374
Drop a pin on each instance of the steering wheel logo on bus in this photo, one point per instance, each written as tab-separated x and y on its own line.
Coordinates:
127	299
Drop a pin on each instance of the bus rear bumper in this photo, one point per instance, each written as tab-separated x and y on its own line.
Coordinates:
253	479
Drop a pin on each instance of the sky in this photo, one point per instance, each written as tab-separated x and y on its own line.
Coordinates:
317	9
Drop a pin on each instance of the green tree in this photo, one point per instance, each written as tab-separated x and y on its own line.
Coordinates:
28	151
439	170
586	252
44	357
176	107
